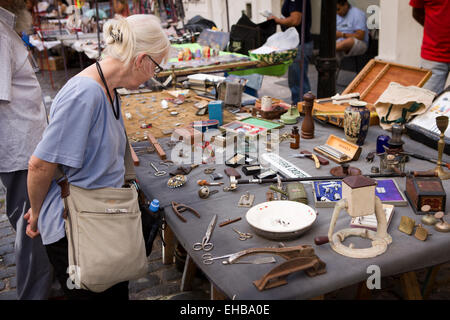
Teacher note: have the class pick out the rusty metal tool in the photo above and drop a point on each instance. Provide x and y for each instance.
(227, 222)
(178, 208)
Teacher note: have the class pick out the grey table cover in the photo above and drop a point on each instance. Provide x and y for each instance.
(406, 253)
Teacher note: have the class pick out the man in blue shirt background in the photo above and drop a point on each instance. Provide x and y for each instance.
(352, 36)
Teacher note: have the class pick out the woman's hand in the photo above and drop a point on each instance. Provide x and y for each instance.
(32, 219)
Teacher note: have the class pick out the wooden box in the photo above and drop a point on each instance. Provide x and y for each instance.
(425, 190)
(54, 63)
(188, 135)
(370, 83)
(351, 150)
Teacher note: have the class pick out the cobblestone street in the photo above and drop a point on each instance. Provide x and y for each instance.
(163, 281)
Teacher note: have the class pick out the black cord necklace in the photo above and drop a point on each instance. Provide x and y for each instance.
(117, 110)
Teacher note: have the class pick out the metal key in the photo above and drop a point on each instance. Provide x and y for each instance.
(158, 172)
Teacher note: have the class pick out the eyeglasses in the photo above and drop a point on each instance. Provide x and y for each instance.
(158, 68)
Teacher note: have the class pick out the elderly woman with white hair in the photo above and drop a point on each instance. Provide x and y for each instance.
(85, 135)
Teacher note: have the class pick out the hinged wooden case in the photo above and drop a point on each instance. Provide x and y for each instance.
(351, 150)
(425, 190)
(370, 83)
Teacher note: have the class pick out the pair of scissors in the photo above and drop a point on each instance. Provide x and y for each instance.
(209, 259)
(206, 245)
(243, 235)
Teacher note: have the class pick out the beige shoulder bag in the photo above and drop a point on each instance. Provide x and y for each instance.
(104, 233)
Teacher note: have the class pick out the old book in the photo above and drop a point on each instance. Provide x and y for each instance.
(370, 221)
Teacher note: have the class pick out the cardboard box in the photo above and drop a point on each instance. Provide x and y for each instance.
(54, 63)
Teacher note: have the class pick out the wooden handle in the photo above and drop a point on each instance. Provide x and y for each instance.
(321, 240)
(429, 173)
(134, 156)
(159, 150)
(322, 160)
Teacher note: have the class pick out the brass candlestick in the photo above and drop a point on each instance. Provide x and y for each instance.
(442, 124)
(438, 171)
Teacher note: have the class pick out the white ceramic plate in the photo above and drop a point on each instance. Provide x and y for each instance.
(281, 219)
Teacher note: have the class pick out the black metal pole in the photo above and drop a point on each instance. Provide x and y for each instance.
(302, 53)
(98, 30)
(326, 63)
(228, 16)
(318, 178)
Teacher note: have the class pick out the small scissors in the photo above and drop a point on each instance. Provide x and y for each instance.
(206, 245)
(243, 235)
(209, 259)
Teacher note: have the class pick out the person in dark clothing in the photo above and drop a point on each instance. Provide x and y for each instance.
(292, 11)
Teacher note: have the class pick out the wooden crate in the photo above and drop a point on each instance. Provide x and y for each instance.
(370, 83)
(54, 63)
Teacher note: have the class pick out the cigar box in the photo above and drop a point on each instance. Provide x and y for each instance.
(425, 190)
(370, 83)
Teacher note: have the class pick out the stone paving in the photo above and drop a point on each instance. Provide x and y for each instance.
(163, 281)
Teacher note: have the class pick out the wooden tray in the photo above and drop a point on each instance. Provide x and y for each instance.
(370, 83)
(144, 110)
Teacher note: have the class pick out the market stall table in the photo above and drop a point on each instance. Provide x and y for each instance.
(404, 254)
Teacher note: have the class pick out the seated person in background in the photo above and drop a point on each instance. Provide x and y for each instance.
(121, 8)
(352, 36)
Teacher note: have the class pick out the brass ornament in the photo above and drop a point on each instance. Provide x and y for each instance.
(441, 226)
(421, 233)
(176, 181)
(406, 225)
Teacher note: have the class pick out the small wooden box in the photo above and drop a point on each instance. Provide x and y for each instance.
(359, 191)
(54, 63)
(351, 150)
(188, 135)
(425, 190)
(370, 83)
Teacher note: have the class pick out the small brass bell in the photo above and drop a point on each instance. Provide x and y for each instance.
(428, 219)
(441, 225)
(203, 192)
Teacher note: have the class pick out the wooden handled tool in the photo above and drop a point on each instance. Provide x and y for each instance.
(322, 160)
(321, 240)
(206, 183)
(134, 156)
(157, 146)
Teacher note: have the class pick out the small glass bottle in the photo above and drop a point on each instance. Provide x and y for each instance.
(295, 138)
